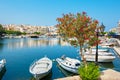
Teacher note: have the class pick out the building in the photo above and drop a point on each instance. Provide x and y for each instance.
(30, 29)
(116, 30)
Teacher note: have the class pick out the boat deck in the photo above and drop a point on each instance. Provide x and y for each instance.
(40, 67)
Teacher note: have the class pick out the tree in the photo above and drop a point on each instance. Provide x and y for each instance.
(13, 32)
(78, 29)
(18, 33)
(111, 33)
(38, 33)
(24, 33)
(1, 30)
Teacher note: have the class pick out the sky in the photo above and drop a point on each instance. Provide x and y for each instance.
(45, 12)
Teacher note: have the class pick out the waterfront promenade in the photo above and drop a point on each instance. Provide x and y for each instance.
(117, 48)
(108, 74)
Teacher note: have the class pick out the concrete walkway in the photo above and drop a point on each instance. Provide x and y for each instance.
(117, 49)
(70, 78)
(110, 75)
(105, 75)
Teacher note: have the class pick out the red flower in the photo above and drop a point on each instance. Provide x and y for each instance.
(74, 20)
(96, 21)
(73, 28)
(86, 38)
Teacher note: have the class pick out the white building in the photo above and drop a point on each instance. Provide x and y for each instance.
(116, 29)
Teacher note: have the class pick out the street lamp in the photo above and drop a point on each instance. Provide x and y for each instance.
(96, 56)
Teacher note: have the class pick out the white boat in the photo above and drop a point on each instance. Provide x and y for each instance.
(41, 67)
(69, 64)
(109, 42)
(66, 73)
(2, 64)
(100, 53)
(101, 49)
(100, 58)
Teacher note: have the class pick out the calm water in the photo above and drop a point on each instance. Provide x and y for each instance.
(20, 53)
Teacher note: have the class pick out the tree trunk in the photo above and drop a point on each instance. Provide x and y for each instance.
(82, 55)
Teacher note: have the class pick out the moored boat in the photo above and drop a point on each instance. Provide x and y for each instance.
(101, 49)
(2, 64)
(41, 67)
(99, 53)
(69, 64)
(100, 58)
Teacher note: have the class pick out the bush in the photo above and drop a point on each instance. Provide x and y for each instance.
(90, 71)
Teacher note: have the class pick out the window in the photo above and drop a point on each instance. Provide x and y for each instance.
(77, 64)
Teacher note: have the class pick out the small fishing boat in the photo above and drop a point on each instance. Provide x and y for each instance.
(69, 64)
(2, 64)
(41, 67)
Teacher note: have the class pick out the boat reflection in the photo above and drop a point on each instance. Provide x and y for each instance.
(104, 66)
(1, 45)
(2, 73)
(48, 77)
(66, 73)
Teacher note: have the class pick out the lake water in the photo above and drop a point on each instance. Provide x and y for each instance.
(20, 53)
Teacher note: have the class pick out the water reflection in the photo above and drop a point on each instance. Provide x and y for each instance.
(1, 46)
(104, 66)
(66, 73)
(35, 42)
(107, 65)
(48, 77)
(2, 73)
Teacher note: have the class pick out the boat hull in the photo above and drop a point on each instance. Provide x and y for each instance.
(100, 58)
(101, 50)
(40, 76)
(99, 53)
(73, 70)
(2, 64)
(41, 68)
